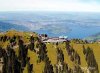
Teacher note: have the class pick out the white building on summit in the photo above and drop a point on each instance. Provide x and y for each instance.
(46, 39)
(64, 37)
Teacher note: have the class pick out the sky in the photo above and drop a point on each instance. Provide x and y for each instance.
(50, 5)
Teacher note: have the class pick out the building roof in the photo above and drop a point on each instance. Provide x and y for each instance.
(65, 37)
(54, 40)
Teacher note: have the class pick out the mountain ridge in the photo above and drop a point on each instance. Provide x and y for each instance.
(95, 37)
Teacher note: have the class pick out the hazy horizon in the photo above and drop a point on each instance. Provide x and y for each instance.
(50, 5)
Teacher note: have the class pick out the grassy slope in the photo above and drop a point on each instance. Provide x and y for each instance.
(38, 68)
(53, 55)
(66, 57)
(96, 50)
(79, 48)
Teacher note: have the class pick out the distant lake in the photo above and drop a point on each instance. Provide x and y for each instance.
(71, 24)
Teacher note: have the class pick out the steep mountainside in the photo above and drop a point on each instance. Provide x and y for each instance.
(24, 52)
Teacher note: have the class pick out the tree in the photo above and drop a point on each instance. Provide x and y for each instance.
(48, 67)
(91, 61)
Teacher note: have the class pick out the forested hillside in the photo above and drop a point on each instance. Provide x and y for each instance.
(24, 52)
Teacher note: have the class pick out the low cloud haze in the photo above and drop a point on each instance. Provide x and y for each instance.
(50, 5)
